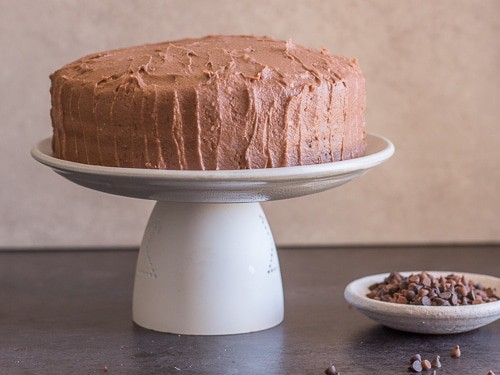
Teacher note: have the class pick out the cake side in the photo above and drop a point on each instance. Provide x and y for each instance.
(218, 102)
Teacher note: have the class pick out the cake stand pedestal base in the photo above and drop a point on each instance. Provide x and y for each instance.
(208, 269)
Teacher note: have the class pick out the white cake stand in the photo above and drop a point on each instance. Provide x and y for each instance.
(207, 268)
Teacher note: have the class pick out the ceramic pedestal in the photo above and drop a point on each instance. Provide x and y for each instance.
(208, 269)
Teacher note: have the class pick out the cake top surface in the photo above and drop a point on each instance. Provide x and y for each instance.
(191, 62)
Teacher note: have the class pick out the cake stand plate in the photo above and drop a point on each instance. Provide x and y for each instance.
(207, 268)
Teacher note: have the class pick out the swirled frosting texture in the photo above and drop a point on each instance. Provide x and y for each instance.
(219, 102)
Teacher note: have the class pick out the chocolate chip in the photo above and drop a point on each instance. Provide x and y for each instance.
(395, 276)
(410, 295)
(402, 300)
(415, 357)
(461, 290)
(331, 370)
(455, 351)
(436, 362)
(426, 365)
(423, 292)
(414, 279)
(491, 373)
(416, 366)
(490, 292)
(438, 301)
(445, 295)
(426, 301)
(471, 295)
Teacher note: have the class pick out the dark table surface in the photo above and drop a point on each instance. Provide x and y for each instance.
(67, 312)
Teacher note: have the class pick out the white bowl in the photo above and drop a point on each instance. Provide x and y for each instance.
(424, 319)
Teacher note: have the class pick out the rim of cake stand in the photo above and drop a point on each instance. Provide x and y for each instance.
(375, 155)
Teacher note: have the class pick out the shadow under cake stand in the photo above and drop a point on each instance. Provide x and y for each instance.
(208, 264)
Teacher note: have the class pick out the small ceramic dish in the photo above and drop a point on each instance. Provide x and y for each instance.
(424, 319)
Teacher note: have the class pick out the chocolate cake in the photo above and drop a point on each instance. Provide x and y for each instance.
(219, 102)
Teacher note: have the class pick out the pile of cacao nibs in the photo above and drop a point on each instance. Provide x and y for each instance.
(424, 289)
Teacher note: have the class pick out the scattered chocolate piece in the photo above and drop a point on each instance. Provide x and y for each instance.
(331, 370)
(426, 365)
(455, 352)
(491, 373)
(105, 369)
(416, 357)
(427, 290)
(416, 366)
(436, 362)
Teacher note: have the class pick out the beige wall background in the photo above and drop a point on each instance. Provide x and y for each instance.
(433, 76)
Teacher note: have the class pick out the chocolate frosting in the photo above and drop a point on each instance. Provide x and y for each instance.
(219, 102)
